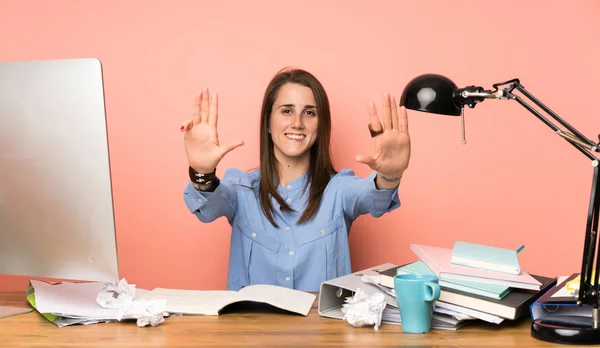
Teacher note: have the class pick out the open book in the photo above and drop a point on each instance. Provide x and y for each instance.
(211, 302)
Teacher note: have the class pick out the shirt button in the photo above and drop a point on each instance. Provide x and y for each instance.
(291, 252)
(289, 187)
(322, 231)
(287, 227)
(253, 234)
(288, 278)
(288, 200)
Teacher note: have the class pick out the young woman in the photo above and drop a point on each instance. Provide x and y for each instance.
(291, 217)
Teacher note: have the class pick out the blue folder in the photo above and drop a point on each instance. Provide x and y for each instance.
(561, 310)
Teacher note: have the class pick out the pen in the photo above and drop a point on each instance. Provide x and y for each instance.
(521, 248)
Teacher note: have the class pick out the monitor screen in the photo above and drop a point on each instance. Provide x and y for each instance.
(56, 208)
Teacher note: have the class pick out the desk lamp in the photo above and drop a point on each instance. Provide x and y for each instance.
(439, 95)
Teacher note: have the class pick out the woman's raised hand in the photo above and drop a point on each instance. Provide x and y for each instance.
(392, 141)
(200, 134)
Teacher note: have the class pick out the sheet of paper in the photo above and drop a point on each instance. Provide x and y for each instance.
(470, 312)
(200, 302)
(10, 311)
(288, 299)
(77, 300)
(376, 280)
(563, 292)
(453, 313)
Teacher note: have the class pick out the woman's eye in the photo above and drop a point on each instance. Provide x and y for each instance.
(311, 113)
(286, 111)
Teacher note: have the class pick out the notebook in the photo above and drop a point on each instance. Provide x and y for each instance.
(512, 306)
(439, 261)
(419, 267)
(486, 257)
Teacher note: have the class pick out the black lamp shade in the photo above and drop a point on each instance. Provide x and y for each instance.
(431, 93)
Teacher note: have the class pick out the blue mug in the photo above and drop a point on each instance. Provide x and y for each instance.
(415, 294)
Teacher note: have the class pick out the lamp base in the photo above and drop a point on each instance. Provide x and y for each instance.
(564, 333)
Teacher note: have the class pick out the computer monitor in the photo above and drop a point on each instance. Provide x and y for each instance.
(56, 204)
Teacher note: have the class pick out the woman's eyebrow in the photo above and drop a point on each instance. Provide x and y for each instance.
(293, 105)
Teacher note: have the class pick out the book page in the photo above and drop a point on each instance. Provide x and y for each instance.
(211, 302)
(200, 302)
(287, 299)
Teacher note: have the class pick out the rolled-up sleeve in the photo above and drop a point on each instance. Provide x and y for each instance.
(208, 206)
(361, 196)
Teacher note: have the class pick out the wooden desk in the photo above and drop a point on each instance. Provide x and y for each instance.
(239, 327)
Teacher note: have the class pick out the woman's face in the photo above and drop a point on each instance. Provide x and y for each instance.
(294, 122)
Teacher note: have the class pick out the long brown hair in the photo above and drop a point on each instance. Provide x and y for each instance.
(321, 166)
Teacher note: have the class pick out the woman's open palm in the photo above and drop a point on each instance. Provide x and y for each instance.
(392, 145)
(200, 134)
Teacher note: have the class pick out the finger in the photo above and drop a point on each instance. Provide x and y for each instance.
(204, 106)
(196, 117)
(387, 112)
(403, 120)
(213, 112)
(368, 160)
(375, 124)
(232, 146)
(187, 125)
(395, 122)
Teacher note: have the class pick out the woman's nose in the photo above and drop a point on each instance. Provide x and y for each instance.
(297, 121)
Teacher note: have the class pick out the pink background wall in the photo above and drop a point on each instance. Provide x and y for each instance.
(514, 183)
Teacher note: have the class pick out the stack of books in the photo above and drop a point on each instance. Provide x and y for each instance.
(475, 290)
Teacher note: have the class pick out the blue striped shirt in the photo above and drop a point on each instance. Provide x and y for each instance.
(298, 256)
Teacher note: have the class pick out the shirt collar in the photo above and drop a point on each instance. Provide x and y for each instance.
(296, 184)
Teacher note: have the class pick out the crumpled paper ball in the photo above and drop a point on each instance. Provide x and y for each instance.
(117, 294)
(362, 309)
(120, 295)
(146, 312)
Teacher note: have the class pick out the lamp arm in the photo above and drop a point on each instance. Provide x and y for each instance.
(576, 136)
(589, 289)
(471, 95)
(580, 144)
